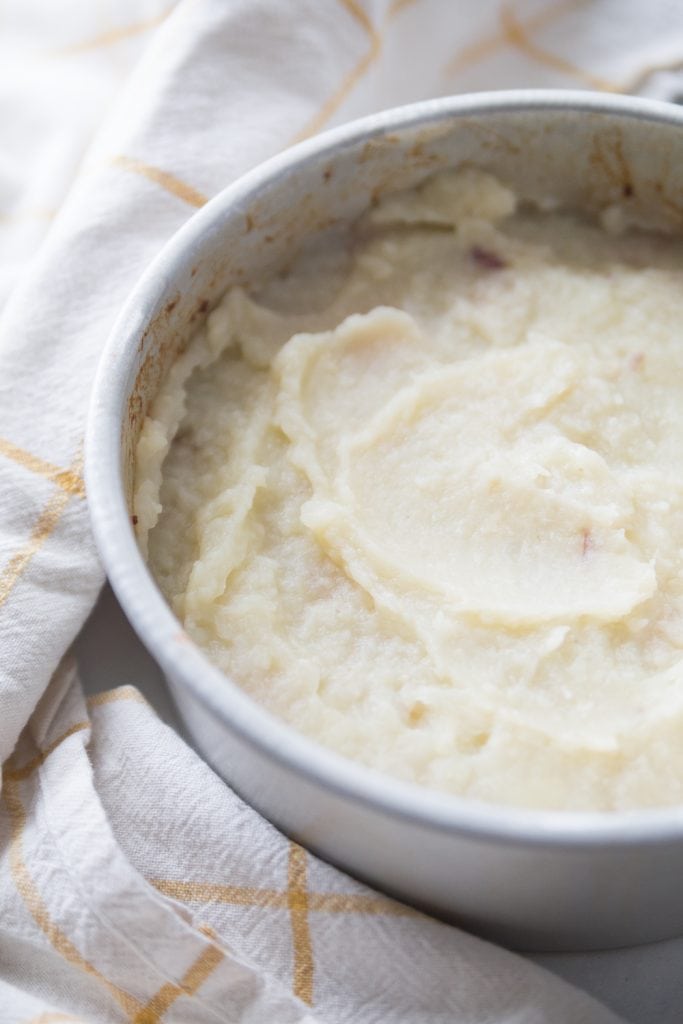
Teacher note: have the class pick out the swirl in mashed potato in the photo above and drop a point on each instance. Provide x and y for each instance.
(424, 499)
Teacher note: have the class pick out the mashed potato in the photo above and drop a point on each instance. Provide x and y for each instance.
(422, 498)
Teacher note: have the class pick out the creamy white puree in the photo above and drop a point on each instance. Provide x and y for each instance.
(423, 498)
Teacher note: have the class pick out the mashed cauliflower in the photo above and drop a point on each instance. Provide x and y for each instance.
(422, 498)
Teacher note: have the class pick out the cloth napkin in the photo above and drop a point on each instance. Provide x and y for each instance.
(134, 885)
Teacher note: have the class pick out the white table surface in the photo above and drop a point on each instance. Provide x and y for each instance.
(643, 984)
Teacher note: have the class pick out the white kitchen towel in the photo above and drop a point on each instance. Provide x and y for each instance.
(137, 887)
(134, 886)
